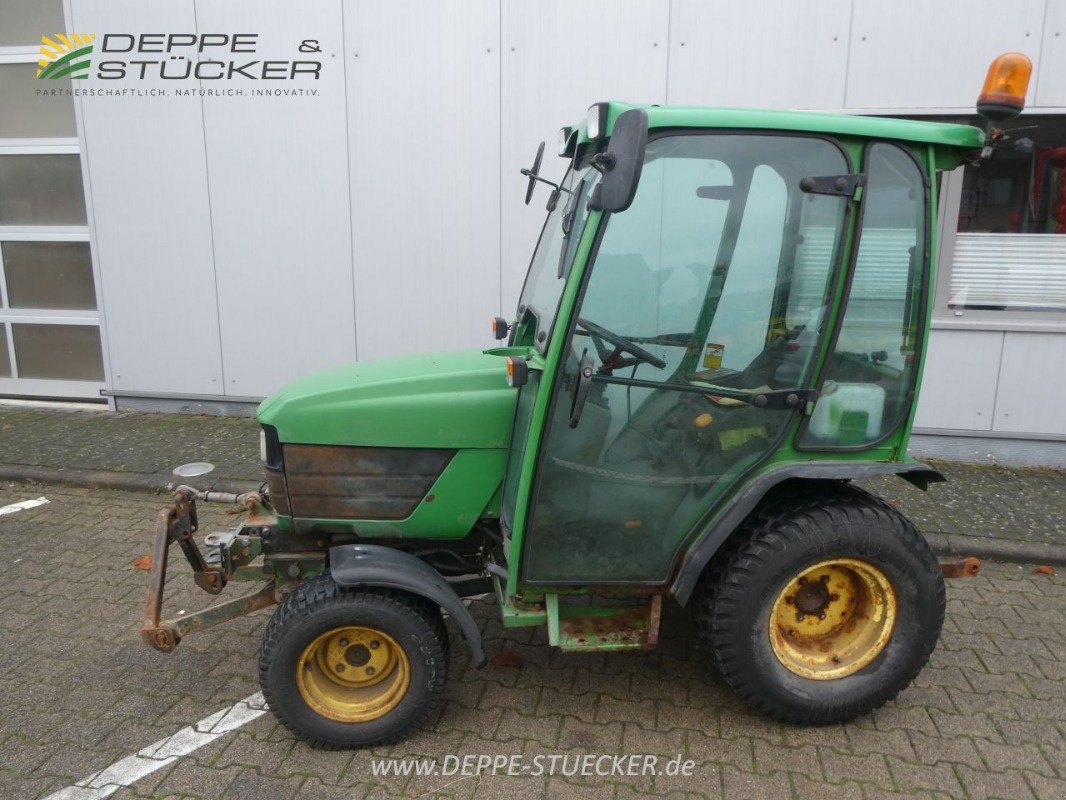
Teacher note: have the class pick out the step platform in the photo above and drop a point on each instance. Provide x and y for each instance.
(587, 628)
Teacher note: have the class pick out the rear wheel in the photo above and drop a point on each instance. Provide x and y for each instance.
(824, 608)
(343, 668)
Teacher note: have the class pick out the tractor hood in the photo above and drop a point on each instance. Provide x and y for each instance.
(457, 399)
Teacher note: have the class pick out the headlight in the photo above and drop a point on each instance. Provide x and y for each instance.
(597, 121)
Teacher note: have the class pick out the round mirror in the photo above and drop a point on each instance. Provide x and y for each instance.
(193, 470)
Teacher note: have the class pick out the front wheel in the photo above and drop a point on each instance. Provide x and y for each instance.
(825, 609)
(342, 668)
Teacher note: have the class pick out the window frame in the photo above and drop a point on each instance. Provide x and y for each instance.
(13, 385)
(921, 342)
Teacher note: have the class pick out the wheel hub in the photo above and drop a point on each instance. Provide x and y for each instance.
(832, 619)
(357, 655)
(353, 674)
(811, 598)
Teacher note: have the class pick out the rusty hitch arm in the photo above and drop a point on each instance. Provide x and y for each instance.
(177, 523)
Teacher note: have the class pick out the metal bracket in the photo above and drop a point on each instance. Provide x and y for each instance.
(178, 523)
(836, 185)
(784, 398)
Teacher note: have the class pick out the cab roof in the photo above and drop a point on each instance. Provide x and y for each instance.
(935, 133)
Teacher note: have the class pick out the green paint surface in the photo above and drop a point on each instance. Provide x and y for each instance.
(455, 399)
(941, 134)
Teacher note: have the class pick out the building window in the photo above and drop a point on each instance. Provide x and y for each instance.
(50, 343)
(1010, 250)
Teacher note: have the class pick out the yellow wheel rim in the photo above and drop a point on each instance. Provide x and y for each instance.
(353, 674)
(833, 619)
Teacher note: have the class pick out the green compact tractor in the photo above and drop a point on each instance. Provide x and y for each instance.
(723, 324)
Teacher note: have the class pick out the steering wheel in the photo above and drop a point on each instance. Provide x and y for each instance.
(611, 360)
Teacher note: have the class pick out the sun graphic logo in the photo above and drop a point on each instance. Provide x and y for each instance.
(65, 55)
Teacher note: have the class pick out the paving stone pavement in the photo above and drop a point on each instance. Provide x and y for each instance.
(986, 718)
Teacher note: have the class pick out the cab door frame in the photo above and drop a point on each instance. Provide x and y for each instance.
(552, 364)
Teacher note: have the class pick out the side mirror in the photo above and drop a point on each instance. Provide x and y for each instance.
(622, 163)
(533, 173)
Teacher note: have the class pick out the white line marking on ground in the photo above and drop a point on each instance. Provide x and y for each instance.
(129, 770)
(11, 509)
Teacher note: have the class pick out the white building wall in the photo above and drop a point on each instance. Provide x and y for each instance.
(244, 242)
(146, 174)
(423, 153)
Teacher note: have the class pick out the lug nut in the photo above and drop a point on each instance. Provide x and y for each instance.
(370, 670)
(374, 644)
(343, 642)
(340, 668)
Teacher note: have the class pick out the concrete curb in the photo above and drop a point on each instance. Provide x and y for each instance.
(945, 544)
(129, 481)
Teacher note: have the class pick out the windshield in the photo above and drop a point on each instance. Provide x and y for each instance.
(720, 267)
(555, 252)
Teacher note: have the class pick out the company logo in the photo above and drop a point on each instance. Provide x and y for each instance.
(65, 55)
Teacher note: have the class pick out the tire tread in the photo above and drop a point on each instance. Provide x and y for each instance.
(313, 594)
(794, 515)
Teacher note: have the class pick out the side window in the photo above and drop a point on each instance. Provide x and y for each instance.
(870, 374)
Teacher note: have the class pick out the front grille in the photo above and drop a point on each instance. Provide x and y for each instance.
(337, 482)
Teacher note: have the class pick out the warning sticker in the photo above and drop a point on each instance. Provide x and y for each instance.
(712, 356)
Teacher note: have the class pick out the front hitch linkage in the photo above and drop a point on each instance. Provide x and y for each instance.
(178, 523)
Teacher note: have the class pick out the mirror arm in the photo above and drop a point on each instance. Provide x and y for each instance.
(603, 162)
(529, 174)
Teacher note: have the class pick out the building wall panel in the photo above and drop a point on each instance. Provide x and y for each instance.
(151, 221)
(762, 54)
(913, 54)
(424, 158)
(959, 382)
(277, 171)
(1032, 384)
(557, 60)
(1049, 88)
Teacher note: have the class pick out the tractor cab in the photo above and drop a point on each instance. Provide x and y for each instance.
(761, 298)
(723, 324)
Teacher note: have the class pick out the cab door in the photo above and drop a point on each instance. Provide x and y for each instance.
(689, 354)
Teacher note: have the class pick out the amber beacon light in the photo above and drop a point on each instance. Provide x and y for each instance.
(1003, 95)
